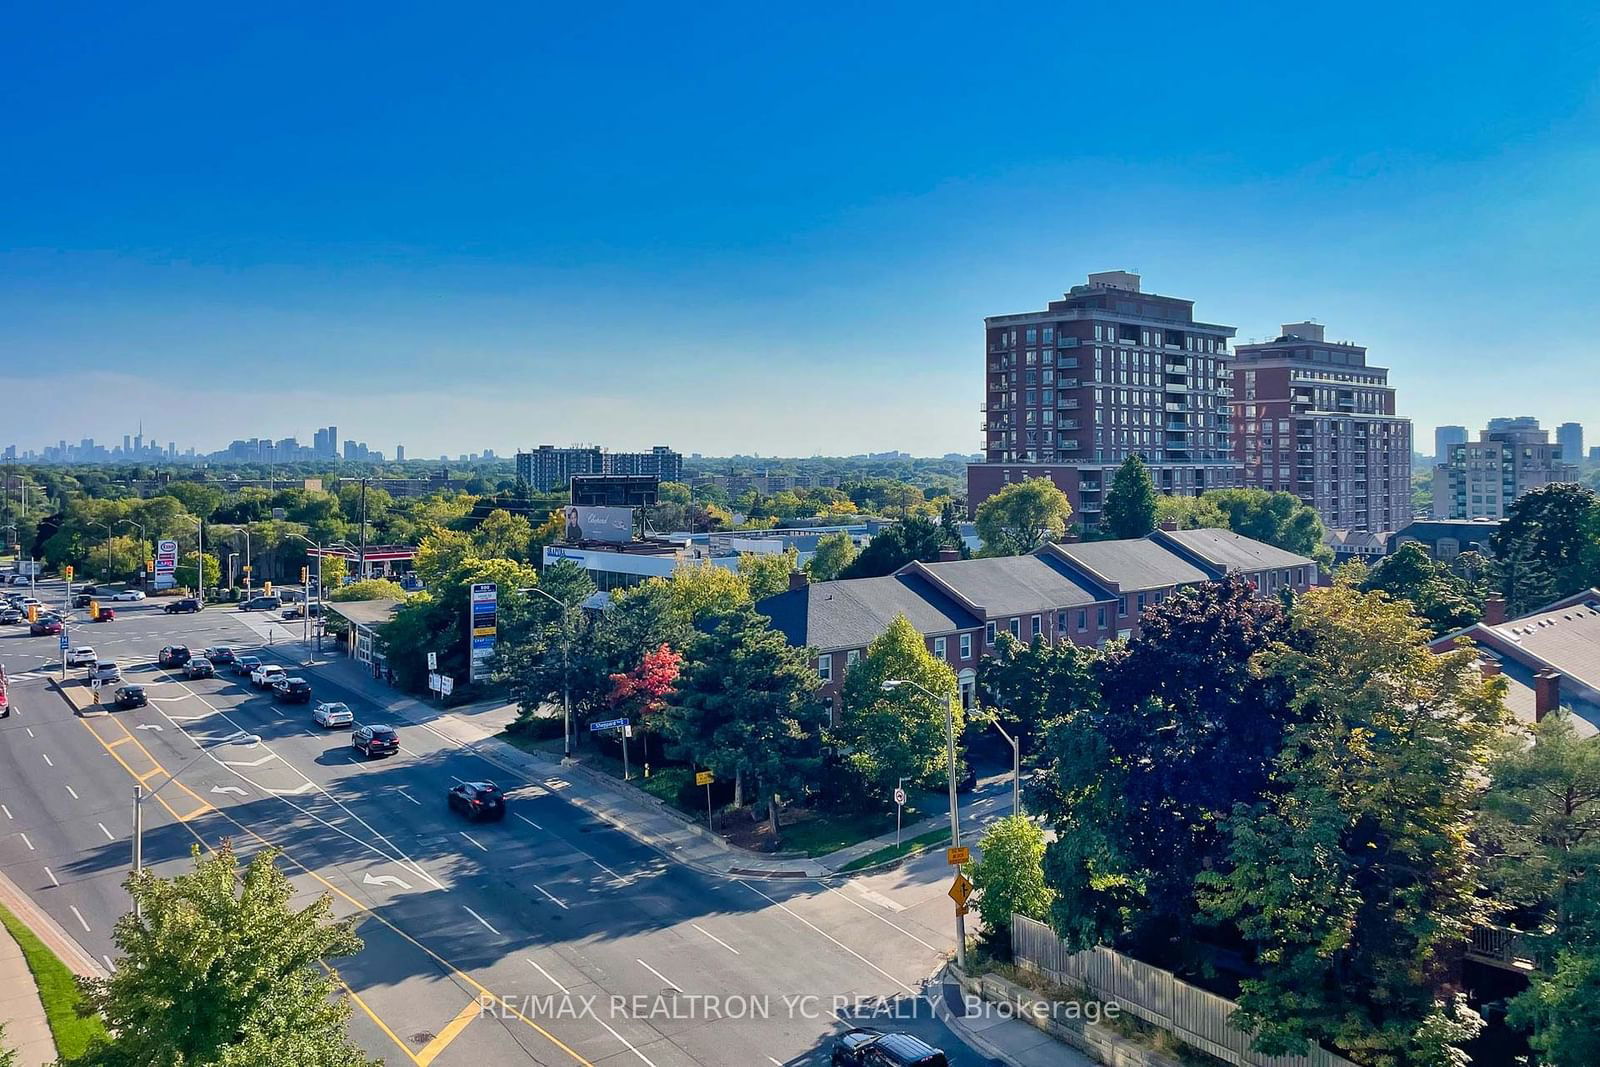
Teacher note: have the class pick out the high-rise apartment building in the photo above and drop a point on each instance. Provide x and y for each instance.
(1482, 479)
(1106, 372)
(1312, 418)
(1569, 436)
(1445, 438)
(399, 453)
(550, 469)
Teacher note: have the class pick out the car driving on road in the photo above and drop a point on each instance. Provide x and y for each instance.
(265, 675)
(261, 603)
(177, 607)
(375, 740)
(127, 594)
(291, 690)
(243, 665)
(478, 800)
(82, 656)
(130, 696)
(173, 656)
(11, 615)
(47, 624)
(332, 713)
(199, 667)
(106, 670)
(864, 1047)
(219, 656)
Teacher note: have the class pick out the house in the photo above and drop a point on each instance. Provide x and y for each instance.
(1445, 539)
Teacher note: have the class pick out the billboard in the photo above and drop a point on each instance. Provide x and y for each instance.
(600, 524)
(481, 628)
(166, 564)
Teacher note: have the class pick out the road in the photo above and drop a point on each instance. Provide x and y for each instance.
(591, 947)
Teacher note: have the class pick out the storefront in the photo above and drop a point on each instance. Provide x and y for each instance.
(367, 619)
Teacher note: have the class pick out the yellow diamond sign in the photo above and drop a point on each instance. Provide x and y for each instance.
(960, 890)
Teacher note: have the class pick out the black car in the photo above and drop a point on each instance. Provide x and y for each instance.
(261, 603)
(11, 615)
(199, 668)
(81, 600)
(130, 696)
(243, 665)
(376, 740)
(297, 691)
(186, 604)
(91, 589)
(220, 655)
(873, 1048)
(478, 800)
(173, 656)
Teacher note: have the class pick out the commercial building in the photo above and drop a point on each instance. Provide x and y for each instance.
(550, 469)
(1445, 438)
(1483, 478)
(1569, 436)
(1106, 372)
(1312, 418)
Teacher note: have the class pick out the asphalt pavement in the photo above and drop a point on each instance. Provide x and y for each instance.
(552, 937)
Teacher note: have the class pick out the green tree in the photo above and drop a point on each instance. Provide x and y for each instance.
(1445, 600)
(1557, 525)
(767, 574)
(835, 552)
(502, 535)
(1130, 507)
(219, 968)
(549, 653)
(440, 552)
(893, 547)
(1355, 875)
(1009, 876)
(1022, 516)
(1190, 512)
(1279, 519)
(367, 589)
(1561, 1006)
(887, 735)
(1035, 685)
(184, 572)
(199, 500)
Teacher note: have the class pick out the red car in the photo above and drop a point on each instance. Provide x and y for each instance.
(45, 626)
(106, 615)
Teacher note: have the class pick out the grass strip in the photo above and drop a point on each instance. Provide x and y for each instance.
(73, 1031)
(912, 847)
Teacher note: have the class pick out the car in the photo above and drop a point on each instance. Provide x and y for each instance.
(130, 696)
(221, 654)
(81, 600)
(199, 667)
(20, 579)
(265, 675)
(178, 607)
(295, 612)
(375, 740)
(261, 603)
(82, 656)
(478, 800)
(91, 589)
(291, 690)
(29, 602)
(127, 594)
(173, 656)
(244, 665)
(865, 1047)
(106, 615)
(11, 615)
(106, 670)
(45, 625)
(332, 713)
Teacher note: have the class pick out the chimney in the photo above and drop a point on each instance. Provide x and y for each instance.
(1169, 524)
(798, 580)
(949, 555)
(1546, 693)
(1494, 609)
(1489, 666)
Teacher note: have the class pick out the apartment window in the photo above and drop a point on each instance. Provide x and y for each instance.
(1100, 617)
(1122, 606)
(1083, 618)
(1141, 603)
(1038, 626)
(851, 658)
(825, 668)
(1033, 335)
(988, 633)
(966, 646)
(1015, 626)
(939, 647)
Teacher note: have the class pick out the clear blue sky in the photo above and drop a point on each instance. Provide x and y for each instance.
(751, 227)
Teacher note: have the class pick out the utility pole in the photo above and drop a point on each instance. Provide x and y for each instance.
(361, 559)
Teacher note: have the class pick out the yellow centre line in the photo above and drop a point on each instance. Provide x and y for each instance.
(431, 1051)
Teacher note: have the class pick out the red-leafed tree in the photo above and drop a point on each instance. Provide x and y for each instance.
(643, 691)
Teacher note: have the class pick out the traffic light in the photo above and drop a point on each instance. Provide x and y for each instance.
(69, 572)
(94, 609)
(266, 588)
(305, 575)
(33, 613)
(149, 565)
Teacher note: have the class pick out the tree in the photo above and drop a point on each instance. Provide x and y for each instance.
(835, 552)
(743, 706)
(1009, 876)
(1556, 525)
(1354, 878)
(1035, 685)
(368, 589)
(502, 535)
(1279, 519)
(1130, 507)
(184, 573)
(1022, 516)
(549, 654)
(1442, 598)
(199, 500)
(767, 573)
(218, 968)
(440, 552)
(1190, 512)
(899, 733)
(1561, 1006)
(1525, 580)
(893, 547)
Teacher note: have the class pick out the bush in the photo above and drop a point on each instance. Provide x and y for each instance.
(536, 727)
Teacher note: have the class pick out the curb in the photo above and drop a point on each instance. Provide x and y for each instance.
(942, 1012)
(55, 938)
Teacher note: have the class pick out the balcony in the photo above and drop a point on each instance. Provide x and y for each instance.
(1177, 368)
(1067, 383)
(1067, 363)
(1177, 387)
(1172, 406)
(1067, 403)
(1070, 445)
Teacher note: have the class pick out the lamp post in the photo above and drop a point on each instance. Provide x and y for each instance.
(200, 560)
(107, 528)
(307, 630)
(140, 525)
(246, 530)
(566, 669)
(1016, 761)
(140, 796)
(890, 685)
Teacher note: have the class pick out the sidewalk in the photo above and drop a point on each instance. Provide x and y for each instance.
(1004, 1038)
(636, 813)
(20, 1009)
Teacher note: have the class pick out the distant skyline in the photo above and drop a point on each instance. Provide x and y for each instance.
(729, 228)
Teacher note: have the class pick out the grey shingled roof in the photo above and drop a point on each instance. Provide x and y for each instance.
(1135, 565)
(1017, 585)
(851, 613)
(365, 612)
(1566, 638)
(1226, 549)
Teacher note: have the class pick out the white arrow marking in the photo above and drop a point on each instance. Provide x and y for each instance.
(148, 726)
(227, 789)
(385, 879)
(248, 763)
(303, 787)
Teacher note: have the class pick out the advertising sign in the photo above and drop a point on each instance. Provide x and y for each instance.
(602, 524)
(166, 563)
(481, 628)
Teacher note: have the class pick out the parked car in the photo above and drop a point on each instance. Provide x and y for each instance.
(178, 607)
(375, 740)
(332, 713)
(865, 1047)
(244, 665)
(82, 656)
(127, 594)
(220, 655)
(291, 690)
(130, 696)
(106, 670)
(199, 667)
(261, 603)
(173, 656)
(47, 624)
(106, 615)
(478, 800)
(265, 675)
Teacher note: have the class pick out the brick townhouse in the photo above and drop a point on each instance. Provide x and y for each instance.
(1087, 593)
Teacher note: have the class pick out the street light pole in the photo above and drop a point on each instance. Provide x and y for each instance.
(140, 525)
(200, 561)
(1016, 766)
(566, 671)
(320, 553)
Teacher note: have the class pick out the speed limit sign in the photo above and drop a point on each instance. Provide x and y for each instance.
(900, 797)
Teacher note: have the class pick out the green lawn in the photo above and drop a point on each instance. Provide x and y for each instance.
(912, 847)
(74, 1033)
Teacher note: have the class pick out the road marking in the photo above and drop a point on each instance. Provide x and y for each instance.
(658, 974)
(474, 840)
(385, 879)
(886, 922)
(785, 908)
(79, 916)
(118, 741)
(52, 875)
(249, 763)
(482, 920)
(103, 830)
(149, 726)
(603, 867)
(109, 965)
(877, 898)
(548, 975)
(303, 787)
(715, 938)
(555, 900)
(529, 821)
(73, 791)
(25, 841)
(7, 811)
(29, 729)
(46, 756)
(409, 797)
(452, 1030)
(228, 789)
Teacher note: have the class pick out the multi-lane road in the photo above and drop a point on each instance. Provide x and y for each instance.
(595, 948)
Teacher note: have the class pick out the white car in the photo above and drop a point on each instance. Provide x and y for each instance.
(81, 657)
(20, 579)
(332, 713)
(30, 602)
(106, 670)
(265, 675)
(128, 594)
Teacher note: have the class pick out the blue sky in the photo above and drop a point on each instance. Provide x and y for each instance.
(742, 227)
